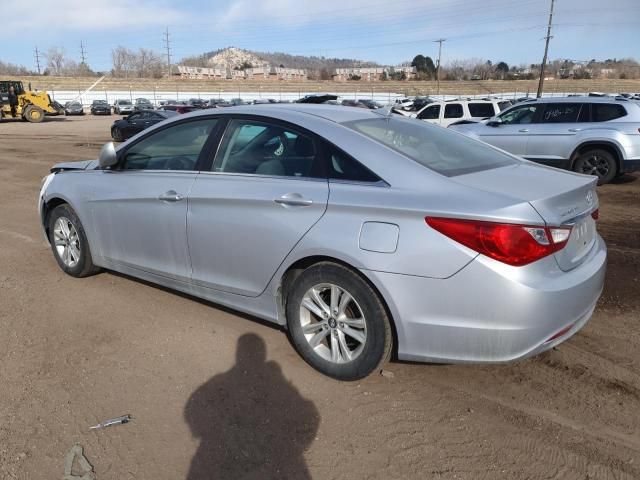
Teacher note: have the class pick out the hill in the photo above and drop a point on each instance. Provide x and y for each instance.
(317, 67)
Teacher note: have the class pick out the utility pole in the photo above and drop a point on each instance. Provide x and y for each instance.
(438, 67)
(167, 44)
(546, 49)
(37, 57)
(83, 53)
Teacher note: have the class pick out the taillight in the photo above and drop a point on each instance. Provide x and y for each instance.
(595, 214)
(512, 244)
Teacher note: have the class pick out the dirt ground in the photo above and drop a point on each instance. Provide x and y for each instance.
(214, 394)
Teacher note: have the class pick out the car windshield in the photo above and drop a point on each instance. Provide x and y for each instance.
(446, 152)
(99, 102)
(124, 102)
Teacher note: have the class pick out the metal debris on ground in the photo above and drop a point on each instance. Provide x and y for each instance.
(87, 469)
(112, 421)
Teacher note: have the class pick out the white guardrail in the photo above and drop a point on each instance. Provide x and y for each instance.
(86, 98)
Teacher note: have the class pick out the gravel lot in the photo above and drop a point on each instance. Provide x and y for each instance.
(204, 399)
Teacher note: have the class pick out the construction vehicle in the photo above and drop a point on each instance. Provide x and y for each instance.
(32, 105)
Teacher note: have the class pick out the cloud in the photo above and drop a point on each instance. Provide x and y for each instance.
(93, 15)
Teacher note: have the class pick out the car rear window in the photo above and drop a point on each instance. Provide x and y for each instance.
(444, 151)
(482, 110)
(602, 112)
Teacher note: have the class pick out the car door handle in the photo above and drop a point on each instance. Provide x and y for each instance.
(575, 129)
(170, 196)
(524, 130)
(293, 200)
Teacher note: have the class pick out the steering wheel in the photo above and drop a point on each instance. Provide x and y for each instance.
(179, 163)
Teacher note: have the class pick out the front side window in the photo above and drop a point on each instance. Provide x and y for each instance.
(174, 148)
(481, 110)
(430, 113)
(561, 112)
(519, 115)
(436, 148)
(453, 110)
(261, 148)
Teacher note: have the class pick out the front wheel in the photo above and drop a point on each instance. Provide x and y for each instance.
(597, 162)
(69, 242)
(33, 114)
(338, 323)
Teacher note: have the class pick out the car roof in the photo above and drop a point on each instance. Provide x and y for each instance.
(333, 113)
(577, 100)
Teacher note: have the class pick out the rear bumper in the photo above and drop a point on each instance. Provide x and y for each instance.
(490, 312)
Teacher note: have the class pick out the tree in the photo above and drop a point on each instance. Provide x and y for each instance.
(425, 68)
(420, 62)
(502, 69)
(55, 60)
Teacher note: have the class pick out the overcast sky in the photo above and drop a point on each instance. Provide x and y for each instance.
(386, 31)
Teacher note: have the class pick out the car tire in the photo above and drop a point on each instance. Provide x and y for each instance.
(349, 342)
(33, 114)
(116, 134)
(598, 162)
(69, 242)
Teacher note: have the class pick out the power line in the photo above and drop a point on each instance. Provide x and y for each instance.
(37, 57)
(546, 50)
(167, 42)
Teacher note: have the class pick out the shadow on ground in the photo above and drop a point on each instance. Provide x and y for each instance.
(252, 422)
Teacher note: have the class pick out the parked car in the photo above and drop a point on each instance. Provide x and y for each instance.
(591, 135)
(431, 244)
(218, 103)
(100, 107)
(127, 127)
(373, 105)
(353, 103)
(73, 108)
(179, 107)
(197, 102)
(122, 106)
(317, 99)
(237, 101)
(453, 111)
(403, 103)
(142, 104)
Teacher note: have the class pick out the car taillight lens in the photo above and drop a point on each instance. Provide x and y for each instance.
(595, 214)
(512, 244)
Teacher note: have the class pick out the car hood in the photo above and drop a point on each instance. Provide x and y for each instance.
(81, 165)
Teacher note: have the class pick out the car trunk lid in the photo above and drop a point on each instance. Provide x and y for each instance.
(560, 198)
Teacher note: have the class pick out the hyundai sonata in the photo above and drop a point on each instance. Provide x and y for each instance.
(359, 232)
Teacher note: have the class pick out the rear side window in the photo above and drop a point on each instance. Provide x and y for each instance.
(453, 110)
(343, 167)
(436, 148)
(482, 110)
(430, 113)
(602, 112)
(561, 112)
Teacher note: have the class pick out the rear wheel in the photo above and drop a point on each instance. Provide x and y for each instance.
(69, 242)
(33, 114)
(600, 163)
(338, 323)
(116, 134)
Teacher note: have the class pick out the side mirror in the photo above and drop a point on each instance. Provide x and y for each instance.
(494, 122)
(107, 157)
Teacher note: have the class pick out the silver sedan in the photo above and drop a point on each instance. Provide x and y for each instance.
(359, 232)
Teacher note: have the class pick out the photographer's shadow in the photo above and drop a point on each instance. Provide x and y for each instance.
(252, 423)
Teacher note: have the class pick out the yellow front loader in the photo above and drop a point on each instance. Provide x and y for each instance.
(32, 105)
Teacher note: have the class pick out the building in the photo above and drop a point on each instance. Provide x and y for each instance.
(262, 73)
(267, 72)
(213, 73)
(372, 74)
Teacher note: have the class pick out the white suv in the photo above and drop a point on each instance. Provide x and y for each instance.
(455, 111)
(596, 136)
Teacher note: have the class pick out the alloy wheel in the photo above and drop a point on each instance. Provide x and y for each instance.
(595, 165)
(67, 242)
(333, 323)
